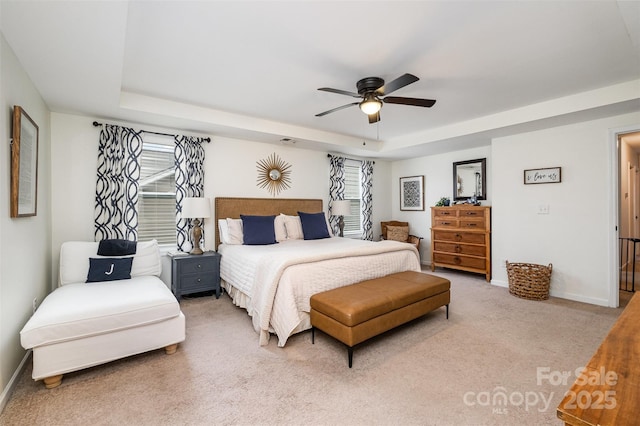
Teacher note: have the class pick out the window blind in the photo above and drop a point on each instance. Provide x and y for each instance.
(352, 192)
(157, 194)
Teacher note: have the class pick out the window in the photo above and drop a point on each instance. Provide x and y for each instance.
(353, 192)
(157, 191)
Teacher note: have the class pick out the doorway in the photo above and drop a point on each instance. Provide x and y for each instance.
(628, 206)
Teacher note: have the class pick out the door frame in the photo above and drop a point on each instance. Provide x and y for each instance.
(614, 210)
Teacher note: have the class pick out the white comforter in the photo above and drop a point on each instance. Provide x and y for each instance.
(280, 279)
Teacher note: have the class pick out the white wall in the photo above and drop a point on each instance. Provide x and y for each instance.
(575, 236)
(438, 183)
(25, 243)
(230, 171)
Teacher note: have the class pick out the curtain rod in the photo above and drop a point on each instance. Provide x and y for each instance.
(96, 124)
(329, 156)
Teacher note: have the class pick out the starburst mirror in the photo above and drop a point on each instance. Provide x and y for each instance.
(273, 174)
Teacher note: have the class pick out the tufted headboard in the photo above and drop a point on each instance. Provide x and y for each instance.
(228, 207)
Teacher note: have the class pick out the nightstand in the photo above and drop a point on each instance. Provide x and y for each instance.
(195, 273)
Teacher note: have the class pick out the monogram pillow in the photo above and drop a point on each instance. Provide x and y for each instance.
(109, 269)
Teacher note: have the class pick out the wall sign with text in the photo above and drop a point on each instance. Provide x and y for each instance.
(548, 175)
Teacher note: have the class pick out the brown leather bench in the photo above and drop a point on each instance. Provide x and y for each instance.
(357, 312)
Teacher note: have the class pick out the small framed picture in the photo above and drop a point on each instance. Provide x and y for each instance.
(412, 193)
(548, 175)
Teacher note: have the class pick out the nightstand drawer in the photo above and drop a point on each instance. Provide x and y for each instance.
(191, 266)
(191, 282)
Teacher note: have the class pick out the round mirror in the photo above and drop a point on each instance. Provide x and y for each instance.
(274, 174)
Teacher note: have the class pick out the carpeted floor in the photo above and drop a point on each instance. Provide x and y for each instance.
(479, 367)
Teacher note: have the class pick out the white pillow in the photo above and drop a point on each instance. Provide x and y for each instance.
(223, 231)
(74, 260)
(235, 231)
(279, 227)
(294, 227)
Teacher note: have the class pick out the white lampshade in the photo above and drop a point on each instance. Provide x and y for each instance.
(196, 207)
(341, 208)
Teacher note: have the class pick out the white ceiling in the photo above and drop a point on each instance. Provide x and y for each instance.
(251, 69)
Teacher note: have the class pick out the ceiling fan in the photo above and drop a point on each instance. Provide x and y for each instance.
(371, 90)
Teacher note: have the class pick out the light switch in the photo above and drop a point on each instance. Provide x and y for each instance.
(543, 208)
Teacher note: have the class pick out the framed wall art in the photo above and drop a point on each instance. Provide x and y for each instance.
(412, 193)
(547, 175)
(24, 164)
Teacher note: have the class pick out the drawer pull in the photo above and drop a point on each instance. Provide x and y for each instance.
(471, 213)
(458, 237)
(445, 213)
(472, 224)
(199, 266)
(199, 280)
(446, 223)
(458, 249)
(457, 260)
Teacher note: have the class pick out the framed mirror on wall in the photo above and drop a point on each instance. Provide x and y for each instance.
(24, 164)
(470, 179)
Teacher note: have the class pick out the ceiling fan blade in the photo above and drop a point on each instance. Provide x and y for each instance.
(374, 118)
(398, 83)
(336, 109)
(428, 103)
(339, 92)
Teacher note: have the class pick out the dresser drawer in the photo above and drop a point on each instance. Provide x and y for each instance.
(460, 237)
(471, 223)
(445, 222)
(459, 249)
(464, 261)
(477, 213)
(444, 212)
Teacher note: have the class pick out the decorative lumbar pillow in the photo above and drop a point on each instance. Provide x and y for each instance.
(110, 269)
(280, 228)
(258, 230)
(314, 226)
(398, 233)
(294, 227)
(234, 231)
(116, 248)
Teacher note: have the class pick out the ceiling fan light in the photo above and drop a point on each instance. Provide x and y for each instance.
(370, 105)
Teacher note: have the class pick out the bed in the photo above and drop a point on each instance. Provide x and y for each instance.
(274, 282)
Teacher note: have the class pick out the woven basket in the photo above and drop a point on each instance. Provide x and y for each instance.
(529, 281)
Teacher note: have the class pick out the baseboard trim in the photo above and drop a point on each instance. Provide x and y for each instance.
(563, 295)
(8, 390)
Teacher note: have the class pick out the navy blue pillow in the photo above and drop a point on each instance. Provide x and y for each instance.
(109, 269)
(116, 248)
(258, 230)
(314, 226)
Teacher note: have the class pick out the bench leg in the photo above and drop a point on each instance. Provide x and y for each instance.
(53, 381)
(350, 352)
(447, 311)
(313, 335)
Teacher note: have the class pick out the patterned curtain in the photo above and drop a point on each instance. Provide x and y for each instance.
(116, 213)
(336, 188)
(367, 199)
(189, 154)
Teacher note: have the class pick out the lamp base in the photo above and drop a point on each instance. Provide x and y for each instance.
(341, 225)
(197, 235)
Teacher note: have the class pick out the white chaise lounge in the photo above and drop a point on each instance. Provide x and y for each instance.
(81, 324)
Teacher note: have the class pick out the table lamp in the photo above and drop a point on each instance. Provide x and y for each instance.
(196, 208)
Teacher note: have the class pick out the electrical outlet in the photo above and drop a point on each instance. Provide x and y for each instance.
(35, 304)
(543, 209)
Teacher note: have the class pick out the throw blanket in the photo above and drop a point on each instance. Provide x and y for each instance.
(271, 268)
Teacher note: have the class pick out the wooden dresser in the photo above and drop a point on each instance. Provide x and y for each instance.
(461, 238)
